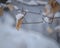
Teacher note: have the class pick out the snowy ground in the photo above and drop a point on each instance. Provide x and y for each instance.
(11, 38)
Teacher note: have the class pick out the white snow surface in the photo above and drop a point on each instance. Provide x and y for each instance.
(46, 19)
(11, 38)
(19, 16)
(41, 2)
(15, 7)
(33, 2)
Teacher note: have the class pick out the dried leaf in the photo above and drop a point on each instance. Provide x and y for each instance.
(10, 6)
(19, 24)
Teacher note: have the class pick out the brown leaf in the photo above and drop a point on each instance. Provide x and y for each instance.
(10, 6)
(19, 24)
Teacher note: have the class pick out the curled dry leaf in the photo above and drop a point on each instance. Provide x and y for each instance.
(19, 24)
(19, 18)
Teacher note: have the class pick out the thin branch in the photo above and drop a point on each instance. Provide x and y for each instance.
(33, 22)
